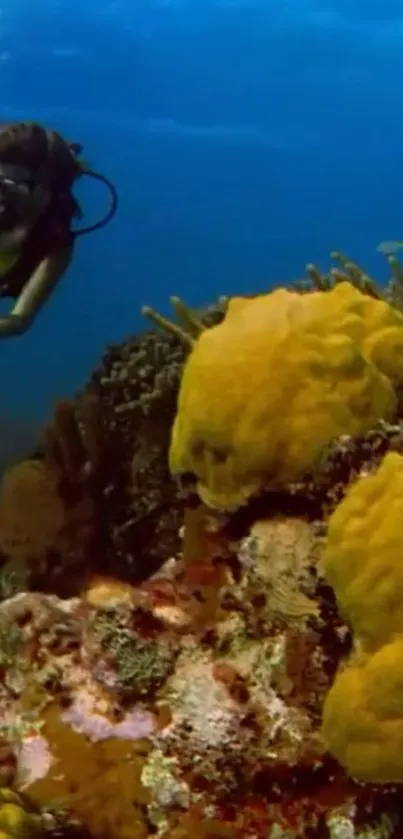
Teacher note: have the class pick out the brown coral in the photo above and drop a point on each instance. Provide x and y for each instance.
(26, 530)
(92, 785)
(37, 531)
(100, 492)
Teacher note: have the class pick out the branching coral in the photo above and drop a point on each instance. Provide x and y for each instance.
(349, 271)
(189, 325)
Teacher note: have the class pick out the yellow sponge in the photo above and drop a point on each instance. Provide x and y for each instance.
(363, 716)
(264, 392)
(363, 712)
(15, 821)
(362, 559)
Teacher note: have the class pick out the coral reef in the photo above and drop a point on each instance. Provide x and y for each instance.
(176, 669)
(191, 700)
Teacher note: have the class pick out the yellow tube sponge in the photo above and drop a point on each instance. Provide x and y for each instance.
(362, 559)
(363, 716)
(283, 374)
(15, 821)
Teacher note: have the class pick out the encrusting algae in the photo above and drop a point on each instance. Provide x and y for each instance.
(200, 622)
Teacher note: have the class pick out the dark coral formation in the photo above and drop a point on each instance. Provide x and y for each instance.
(344, 461)
(319, 491)
(136, 389)
(98, 496)
(103, 469)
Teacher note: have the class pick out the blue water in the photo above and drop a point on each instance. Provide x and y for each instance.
(245, 139)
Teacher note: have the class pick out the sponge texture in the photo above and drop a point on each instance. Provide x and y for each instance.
(265, 391)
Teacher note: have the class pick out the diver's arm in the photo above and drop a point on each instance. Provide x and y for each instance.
(35, 293)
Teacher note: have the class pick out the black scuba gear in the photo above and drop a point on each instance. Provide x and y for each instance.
(16, 188)
(112, 209)
(38, 170)
(16, 196)
(32, 171)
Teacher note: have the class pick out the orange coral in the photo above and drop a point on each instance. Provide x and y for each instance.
(37, 530)
(98, 783)
(48, 506)
(29, 530)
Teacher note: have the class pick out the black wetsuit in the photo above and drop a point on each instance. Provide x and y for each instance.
(51, 233)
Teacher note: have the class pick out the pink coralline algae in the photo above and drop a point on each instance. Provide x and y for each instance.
(34, 760)
(135, 725)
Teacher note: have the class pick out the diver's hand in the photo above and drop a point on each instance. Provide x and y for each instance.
(11, 325)
(35, 293)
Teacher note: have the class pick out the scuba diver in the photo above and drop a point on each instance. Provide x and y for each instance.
(38, 169)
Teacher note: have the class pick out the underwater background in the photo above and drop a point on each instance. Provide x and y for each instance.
(245, 138)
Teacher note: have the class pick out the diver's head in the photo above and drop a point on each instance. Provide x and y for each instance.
(23, 199)
(35, 164)
(38, 165)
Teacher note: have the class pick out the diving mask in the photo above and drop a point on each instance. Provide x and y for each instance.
(20, 196)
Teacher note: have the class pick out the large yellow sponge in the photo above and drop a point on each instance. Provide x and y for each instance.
(362, 560)
(265, 391)
(363, 716)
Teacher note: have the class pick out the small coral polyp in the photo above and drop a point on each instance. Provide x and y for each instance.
(266, 391)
